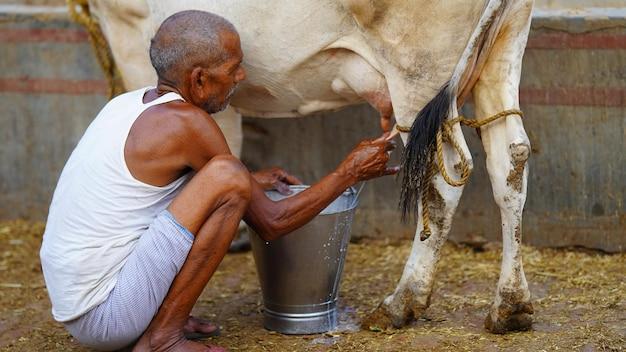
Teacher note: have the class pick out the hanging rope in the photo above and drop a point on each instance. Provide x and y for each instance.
(437, 163)
(80, 13)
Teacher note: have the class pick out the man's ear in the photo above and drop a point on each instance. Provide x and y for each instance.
(198, 77)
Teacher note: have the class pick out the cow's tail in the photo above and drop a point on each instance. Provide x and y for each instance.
(420, 147)
(421, 142)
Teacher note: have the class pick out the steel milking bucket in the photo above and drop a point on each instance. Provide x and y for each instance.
(300, 272)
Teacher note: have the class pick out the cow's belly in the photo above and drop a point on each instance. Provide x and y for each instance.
(255, 99)
(306, 89)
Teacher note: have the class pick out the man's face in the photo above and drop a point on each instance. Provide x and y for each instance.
(225, 78)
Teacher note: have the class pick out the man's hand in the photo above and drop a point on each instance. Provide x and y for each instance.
(276, 179)
(369, 159)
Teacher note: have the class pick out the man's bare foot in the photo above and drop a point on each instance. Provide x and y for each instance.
(180, 344)
(197, 328)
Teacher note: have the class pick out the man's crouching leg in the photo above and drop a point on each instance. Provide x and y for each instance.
(210, 206)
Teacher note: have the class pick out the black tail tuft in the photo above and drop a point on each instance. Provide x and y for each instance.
(420, 147)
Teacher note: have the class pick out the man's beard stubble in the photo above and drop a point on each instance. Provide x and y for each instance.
(212, 108)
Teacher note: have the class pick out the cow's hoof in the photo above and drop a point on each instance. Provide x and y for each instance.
(510, 317)
(380, 319)
(383, 318)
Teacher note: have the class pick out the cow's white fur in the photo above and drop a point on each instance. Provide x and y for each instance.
(306, 56)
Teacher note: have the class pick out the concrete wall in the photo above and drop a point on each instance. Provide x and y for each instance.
(50, 89)
(573, 93)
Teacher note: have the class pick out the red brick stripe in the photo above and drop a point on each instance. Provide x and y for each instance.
(577, 41)
(587, 96)
(43, 35)
(53, 86)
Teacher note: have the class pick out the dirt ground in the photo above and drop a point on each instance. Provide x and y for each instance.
(578, 296)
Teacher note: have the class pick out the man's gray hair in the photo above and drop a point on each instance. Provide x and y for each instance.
(187, 39)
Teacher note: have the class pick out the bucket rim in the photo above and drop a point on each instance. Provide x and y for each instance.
(350, 191)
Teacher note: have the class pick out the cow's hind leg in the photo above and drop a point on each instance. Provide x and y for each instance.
(507, 148)
(412, 294)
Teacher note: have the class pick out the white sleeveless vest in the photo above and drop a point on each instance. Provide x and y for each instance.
(99, 211)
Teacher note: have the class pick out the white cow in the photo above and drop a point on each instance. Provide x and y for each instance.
(304, 56)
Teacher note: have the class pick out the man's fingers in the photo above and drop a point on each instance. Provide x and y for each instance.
(290, 179)
(388, 144)
(392, 170)
(282, 188)
(285, 177)
(391, 145)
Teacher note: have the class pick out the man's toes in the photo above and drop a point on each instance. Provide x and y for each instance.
(201, 325)
(197, 328)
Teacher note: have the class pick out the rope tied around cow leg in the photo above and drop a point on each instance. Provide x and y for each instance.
(445, 134)
(81, 14)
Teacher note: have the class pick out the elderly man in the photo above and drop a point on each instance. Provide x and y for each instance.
(151, 197)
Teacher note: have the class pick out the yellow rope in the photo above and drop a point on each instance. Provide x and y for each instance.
(426, 190)
(80, 13)
(437, 163)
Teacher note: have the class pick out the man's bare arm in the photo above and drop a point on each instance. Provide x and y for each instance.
(272, 219)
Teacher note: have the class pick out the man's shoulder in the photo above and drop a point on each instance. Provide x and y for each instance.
(181, 118)
(181, 129)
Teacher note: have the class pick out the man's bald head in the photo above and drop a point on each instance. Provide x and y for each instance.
(188, 39)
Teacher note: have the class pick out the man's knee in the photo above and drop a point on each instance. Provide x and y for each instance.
(228, 173)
